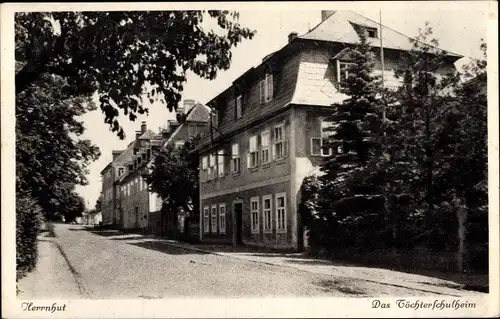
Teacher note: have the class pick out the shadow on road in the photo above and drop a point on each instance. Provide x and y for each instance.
(165, 248)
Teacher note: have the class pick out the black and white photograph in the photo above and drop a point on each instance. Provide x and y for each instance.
(250, 159)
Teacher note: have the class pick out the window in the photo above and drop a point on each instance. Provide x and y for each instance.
(371, 32)
(204, 168)
(212, 169)
(214, 219)
(238, 102)
(342, 70)
(254, 214)
(121, 170)
(253, 153)
(280, 212)
(215, 117)
(220, 163)
(235, 159)
(179, 144)
(222, 218)
(206, 226)
(266, 203)
(264, 141)
(148, 153)
(266, 88)
(280, 144)
(317, 148)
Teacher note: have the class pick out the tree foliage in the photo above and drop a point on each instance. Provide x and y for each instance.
(124, 56)
(175, 175)
(51, 156)
(406, 180)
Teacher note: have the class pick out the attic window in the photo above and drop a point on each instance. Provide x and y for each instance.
(371, 32)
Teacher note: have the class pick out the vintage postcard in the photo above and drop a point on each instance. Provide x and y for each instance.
(250, 159)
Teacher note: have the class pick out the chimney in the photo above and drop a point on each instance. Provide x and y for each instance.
(144, 127)
(292, 36)
(325, 14)
(138, 134)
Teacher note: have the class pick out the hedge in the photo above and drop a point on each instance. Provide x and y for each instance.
(28, 220)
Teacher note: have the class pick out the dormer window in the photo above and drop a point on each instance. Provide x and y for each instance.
(238, 106)
(266, 88)
(121, 170)
(371, 32)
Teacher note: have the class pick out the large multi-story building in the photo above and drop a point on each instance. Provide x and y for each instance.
(118, 174)
(266, 131)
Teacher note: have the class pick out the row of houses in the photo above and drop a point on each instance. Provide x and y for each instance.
(127, 201)
(265, 137)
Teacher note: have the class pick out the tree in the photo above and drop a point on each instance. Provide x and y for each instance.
(98, 203)
(124, 55)
(51, 156)
(350, 189)
(461, 182)
(422, 101)
(175, 175)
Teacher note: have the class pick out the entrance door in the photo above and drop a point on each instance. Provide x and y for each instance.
(136, 217)
(238, 211)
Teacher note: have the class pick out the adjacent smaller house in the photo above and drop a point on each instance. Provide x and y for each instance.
(192, 120)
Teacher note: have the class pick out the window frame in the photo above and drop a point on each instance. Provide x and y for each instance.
(235, 159)
(265, 148)
(253, 156)
(280, 228)
(282, 141)
(238, 106)
(204, 168)
(267, 230)
(266, 88)
(222, 218)
(255, 220)
(339, 64)
(206, 219)
(220, 163)
(213, 215)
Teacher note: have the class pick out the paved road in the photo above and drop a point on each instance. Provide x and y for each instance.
(106, 265)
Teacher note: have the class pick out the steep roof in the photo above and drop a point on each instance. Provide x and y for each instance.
(198, 113)
(340, 27)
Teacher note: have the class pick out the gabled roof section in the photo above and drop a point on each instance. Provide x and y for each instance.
(148, 135)
(198, 113)
(341, 27)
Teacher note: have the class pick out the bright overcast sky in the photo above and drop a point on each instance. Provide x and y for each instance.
(458, 27)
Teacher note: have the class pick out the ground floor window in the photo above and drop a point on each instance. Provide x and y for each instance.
(214, 219)
(254, 214)
(281, 212)
(206, 226)
(222, 218)
(266, 206)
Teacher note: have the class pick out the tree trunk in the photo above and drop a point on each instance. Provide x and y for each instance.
(462, 218)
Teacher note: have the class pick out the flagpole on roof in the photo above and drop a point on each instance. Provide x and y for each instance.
(382, 60)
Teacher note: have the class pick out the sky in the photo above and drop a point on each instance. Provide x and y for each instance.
(458, 28)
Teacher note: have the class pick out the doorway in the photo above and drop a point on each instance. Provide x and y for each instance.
(238, 212)
(136, 217)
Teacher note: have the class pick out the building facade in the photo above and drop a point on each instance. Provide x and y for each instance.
(266, 131)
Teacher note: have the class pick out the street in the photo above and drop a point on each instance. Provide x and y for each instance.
(80, 262)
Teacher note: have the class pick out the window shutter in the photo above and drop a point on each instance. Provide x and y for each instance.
(262, 91)
(285, 148)
(269, 79)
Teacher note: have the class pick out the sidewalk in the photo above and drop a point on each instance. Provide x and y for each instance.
(452, 285)
(52, 277)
